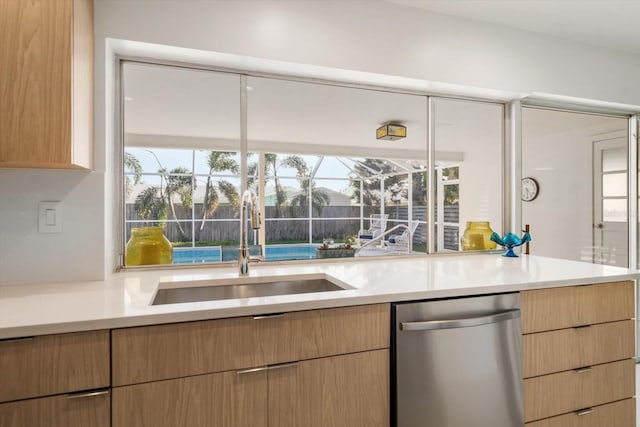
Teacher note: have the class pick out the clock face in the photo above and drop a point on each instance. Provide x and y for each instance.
(529, 189)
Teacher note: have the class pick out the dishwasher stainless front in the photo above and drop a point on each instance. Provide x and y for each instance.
(458, 362)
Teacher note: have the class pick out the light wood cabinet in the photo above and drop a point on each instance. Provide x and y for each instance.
(53, 364)
(578, 348)
(568, 391)
(342, 391)
(46, 89)
(58, 411)
(311, 368)
(339, 391)
(563, 349)
(571, 306)
(160, 352)
(55, 380)
(221, 399)
(617, 414)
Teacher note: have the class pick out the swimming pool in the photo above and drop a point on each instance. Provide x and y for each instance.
(215, 253)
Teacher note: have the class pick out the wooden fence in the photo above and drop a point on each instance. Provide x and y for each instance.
(293, 225)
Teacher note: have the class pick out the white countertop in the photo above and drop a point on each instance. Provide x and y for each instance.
(124, 299)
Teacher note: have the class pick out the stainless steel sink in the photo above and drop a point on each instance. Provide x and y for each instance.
(223, 291)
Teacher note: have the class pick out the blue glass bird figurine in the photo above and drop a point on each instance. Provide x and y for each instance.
(510, 241)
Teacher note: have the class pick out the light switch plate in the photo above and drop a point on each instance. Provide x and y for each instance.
(50, 217)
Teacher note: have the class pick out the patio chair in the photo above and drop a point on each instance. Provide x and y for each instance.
(377, 226)
(400, 242)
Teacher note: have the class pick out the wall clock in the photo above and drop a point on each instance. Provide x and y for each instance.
(530, 189)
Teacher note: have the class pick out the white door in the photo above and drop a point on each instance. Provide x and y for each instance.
(610, 216)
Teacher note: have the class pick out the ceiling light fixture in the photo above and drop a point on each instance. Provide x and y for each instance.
(391, 132)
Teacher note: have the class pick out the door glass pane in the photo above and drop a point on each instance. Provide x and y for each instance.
(614, 185)
(614, 210)
(614, 159)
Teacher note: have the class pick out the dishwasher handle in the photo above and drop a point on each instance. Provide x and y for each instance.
(430, 325)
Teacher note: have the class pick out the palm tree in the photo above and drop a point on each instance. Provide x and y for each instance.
(272, 166)
(219, 161)
(150, 205)
(178, 182)
(152, 202)
(131, 164)
(319, 198)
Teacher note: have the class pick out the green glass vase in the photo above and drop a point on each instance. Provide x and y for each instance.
(477, 236)
(148, 246)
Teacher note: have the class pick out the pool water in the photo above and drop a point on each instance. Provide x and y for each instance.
(196, 255)
(214, 253)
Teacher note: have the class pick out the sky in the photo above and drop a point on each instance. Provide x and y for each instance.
(196, 160)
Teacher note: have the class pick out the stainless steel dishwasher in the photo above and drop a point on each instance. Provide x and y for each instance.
(458, 362)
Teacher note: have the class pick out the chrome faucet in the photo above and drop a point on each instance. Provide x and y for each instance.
(250, 200)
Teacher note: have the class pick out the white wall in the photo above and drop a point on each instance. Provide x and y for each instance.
(370, 35)
(359, 35)
(27, 256)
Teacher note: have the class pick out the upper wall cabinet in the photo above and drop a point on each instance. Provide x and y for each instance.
(46, 88)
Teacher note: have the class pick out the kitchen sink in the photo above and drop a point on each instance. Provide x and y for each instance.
(237, 288)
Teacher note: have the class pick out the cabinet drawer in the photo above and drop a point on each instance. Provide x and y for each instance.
(53, 364)
(558, 308)
(556, 394)
(564, 349)
(350, 390)
(221, 399)
(170, 351)
(618, 414)
(58, 411)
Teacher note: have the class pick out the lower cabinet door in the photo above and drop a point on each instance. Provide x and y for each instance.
(226, 399)
(74, 410)
(350, 390)
(617, 414)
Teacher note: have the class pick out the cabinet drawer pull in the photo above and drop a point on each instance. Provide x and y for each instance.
(82, 394)
(583, 369)
(584, 411)
(252, 370)
(268, 316)
(282, 365)
(266, 368)
(16, 339)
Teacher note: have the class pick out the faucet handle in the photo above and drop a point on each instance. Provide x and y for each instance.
(256, 258)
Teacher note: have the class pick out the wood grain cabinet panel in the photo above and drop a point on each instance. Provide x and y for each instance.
(555, 394)
(53, 364)
(160, 352)
(226, 399)
(46, 89)
(342, 391)
(58, 411)
(566, 307)
(564, 349)
(617, 414)
(333, 331)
